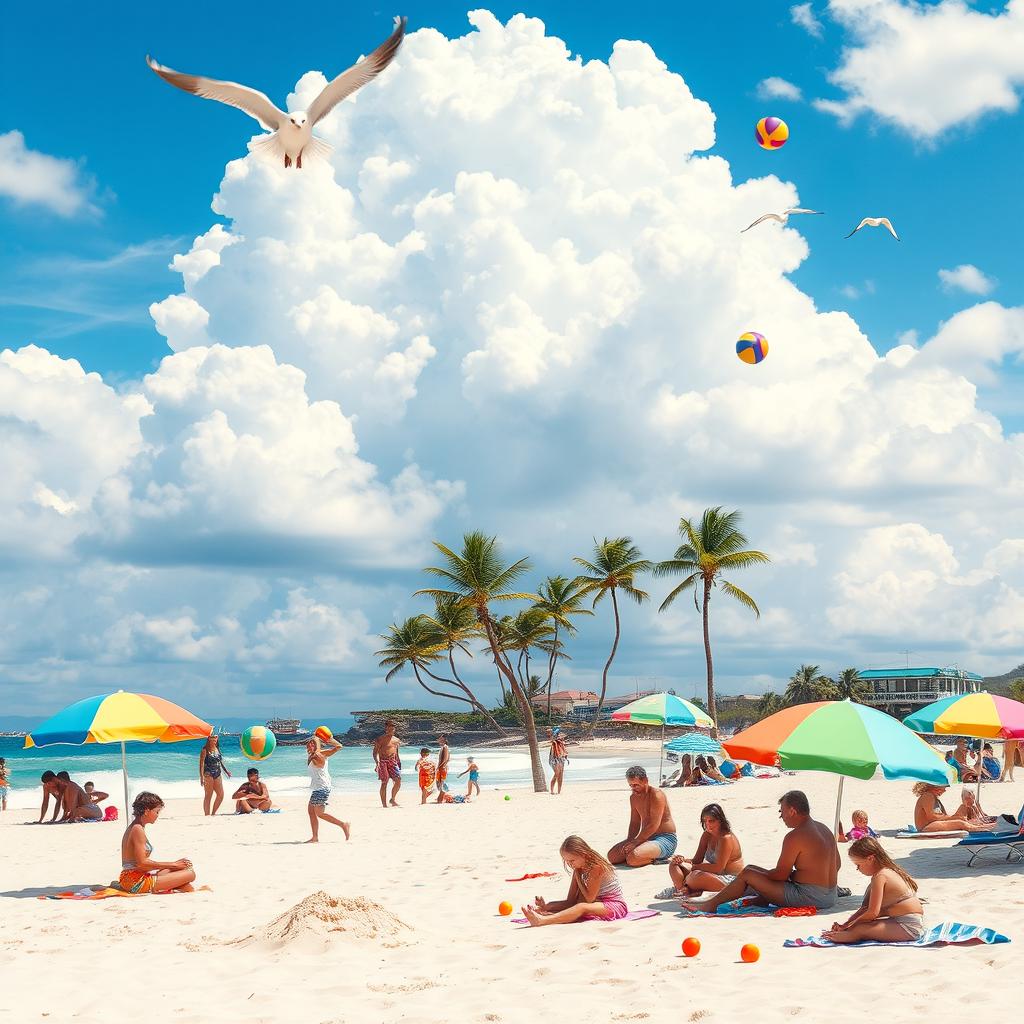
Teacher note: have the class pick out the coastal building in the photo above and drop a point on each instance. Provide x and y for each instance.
(585, 711)
(901, 691)
(565, 702)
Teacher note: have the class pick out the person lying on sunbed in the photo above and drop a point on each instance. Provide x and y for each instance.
(716, 863)
(891, 911)
(931, 816)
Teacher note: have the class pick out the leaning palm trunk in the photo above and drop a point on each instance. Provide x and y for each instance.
(607, 665)
(712, 709)
(505, 668)
(551, 668)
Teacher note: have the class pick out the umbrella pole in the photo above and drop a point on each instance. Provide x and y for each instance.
(839, 804)
(124, 773)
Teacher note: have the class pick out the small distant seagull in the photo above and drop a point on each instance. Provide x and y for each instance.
(875, 222)
(291, 134)
(780, 217)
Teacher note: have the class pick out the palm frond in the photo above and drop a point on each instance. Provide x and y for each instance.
(690, 581)
(742, 596)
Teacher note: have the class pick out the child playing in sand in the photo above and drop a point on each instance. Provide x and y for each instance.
(860, 829)
(4, 784)
(891, 911)
(474, 777)
(427, 771)
(594, 892)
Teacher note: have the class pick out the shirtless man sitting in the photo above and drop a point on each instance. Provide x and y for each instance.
(652, 832)
(252, 795)
(806, 873)
(388, 763)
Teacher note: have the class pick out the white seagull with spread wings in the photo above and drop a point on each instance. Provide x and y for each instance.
(780, 217)
(875, 222)
(291, 134)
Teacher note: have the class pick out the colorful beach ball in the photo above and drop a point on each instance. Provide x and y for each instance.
(771, 133)
(257, 742)
(752, 347)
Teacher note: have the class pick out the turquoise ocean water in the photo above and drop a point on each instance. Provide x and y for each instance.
(172, 769)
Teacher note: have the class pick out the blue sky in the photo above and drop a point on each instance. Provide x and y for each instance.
(80, 286)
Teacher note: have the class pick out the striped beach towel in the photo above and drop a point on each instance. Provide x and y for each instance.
(949, 933)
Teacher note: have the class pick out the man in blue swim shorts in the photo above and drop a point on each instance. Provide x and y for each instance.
(652, 832)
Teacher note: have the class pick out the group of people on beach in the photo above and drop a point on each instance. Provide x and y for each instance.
(72, 802)
(805, 875)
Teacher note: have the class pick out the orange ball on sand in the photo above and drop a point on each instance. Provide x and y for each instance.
(504, 908)
(691, 946)
(750, 954)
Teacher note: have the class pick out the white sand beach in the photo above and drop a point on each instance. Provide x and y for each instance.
(415, 935)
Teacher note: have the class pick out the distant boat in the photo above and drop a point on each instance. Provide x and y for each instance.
(289, 731)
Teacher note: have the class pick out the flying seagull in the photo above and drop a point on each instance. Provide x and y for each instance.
(780, 217)
(291, 134)
(875, 222)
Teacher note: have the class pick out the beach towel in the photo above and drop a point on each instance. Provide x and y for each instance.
(745, 907)
(911, 833)
(633, 915)
(273, 810)
(949, 933)
(536, 874)
(106, 892)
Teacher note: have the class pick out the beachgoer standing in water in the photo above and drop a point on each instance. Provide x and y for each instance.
(473, 771)
(320, 786)
(4, 784)
(139, 872)
(388, 763)
(443, 757)
(211, 765)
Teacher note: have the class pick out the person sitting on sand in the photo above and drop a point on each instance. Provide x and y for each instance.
(97, 796)
(716, 863)
(805, 874)
(388, 763)
(931, 816)
(891, 911)
(71, 797)
(473, 770)
(989, 764)
(427, 772)
(5, 784)
(139, 872)
(859, 829)
(970, 809)
(712, 771)
(252, 795)
(959, 757)
(682, 775)
(652, 832)
(320, 785)
(594, 892)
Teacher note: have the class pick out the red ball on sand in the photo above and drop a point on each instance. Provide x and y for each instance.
(504, 908)
(691, 946)
(750, 954)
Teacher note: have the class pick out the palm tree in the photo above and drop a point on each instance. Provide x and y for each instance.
(526, 629)
(808, 685)
(769, 704)
(477, 576)
(709, 549)
(850, 686)
(560, 600)
(616, 565)
(414, 642)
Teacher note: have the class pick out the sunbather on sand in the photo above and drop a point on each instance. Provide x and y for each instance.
(931, 816)
(139, 872)
(594, 892)
(970, 809)
(891, 911)
(716, 863)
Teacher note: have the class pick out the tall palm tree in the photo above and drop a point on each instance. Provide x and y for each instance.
(415, 643)
(769, 704)
(560, 600)
(710, 548)
(526, 630)
(808, 685)
(476, 576)
(616, 565)
(850, 686)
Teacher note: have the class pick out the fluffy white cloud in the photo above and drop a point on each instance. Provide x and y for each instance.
(774, 88)
(28, 177)
(927, 67)
(804, 16)
(967, 278)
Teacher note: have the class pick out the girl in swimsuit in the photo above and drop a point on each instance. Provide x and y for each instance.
(716, 863)
(139, 872)
(594, 892)
(211, 765)
(891, 911)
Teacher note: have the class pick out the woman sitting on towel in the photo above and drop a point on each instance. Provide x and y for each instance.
(139, 872)
(716, 863)
(891, 911)
(931, 816)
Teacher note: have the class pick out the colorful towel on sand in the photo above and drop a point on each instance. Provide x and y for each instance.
(633, 915)
(949, 933)
(536, 874)
(273, 810)
(745, 907)
(106, 892)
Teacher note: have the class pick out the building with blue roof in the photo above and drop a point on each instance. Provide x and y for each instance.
(901, 691)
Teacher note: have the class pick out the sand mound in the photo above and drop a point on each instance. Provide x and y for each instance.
(321, 919)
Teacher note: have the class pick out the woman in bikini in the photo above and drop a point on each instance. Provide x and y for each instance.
(931, 816)
(139, 872)
(891, 911)
(716, 863)
(594, 892)
(211, 766)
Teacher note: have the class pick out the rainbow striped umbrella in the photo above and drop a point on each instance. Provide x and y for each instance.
(663, 709)
(983, 715)
(120, 718)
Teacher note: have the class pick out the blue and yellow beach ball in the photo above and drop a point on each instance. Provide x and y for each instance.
(771, 133)
(257, 742)
(752, 347)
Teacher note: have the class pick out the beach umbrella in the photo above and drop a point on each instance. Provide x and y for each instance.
(663, 709)
(978, 715)
(841, 737)
(119, 718)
